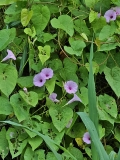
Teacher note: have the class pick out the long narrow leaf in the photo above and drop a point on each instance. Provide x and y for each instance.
(93, 113)
(94, 136)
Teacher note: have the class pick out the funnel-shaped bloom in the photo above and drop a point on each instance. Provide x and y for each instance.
(117, 10)
(110, 15)
(48, 72)
(86, 138)
(53, 97)
(10, 55)
(75, 98)
(71, 87)
(39, 79)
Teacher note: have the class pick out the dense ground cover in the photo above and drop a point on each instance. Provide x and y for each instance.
(59, 79)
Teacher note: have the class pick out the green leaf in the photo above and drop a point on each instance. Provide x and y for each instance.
(81, 27)
(60, 116)
(8, 78)
(6, 37)
(44, 53)
(30, 98)
(34, 61)
(5, 106)
(92, 16)
(48, 37)
(35, 142)
(4, 148)
(25, 81)
(76, 48)
(95, 67)
(67, 65)
(50, 85)
(19, 107)
(92, 93)
(118, 156)
(62, 23)
(13, 139)
(90, 3)
(52, 132)
(75, 152)
(7, 2)
(26, 16)
(108, 104)
(94, 136)
(29, 154)
(40, 18)
(112, 76)
(50, 156)
(72, 52)
(77, 130)
(117, 134)
(105, 116)
(30, 31)
(106, 32)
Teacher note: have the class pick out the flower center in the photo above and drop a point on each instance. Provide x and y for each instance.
(47, 75)
(70, 88)
(41, 80)
(111, 17)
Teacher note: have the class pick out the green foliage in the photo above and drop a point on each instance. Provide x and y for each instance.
(6, 37)
(38, 115)
(112, 76)
(60, 116)
(7, 80)
(62, 23)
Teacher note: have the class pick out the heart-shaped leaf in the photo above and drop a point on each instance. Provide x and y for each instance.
(62, 23)
(60, 116)
(8, 78)
(30, 98)
(44, 53)
(113, 78)
(25, 16)
(19, 107)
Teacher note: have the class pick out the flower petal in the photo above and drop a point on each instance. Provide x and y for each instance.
(10, 55)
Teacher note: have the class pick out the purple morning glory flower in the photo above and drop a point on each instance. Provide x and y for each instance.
(53, 97)
(110, 15)
(86, 138)
(48, 72)
(69, 123)
(75, 98)
(39, 79)
(71, 87)
(10, 55)
(117, 10)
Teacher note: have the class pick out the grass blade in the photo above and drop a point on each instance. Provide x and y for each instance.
(93, 113)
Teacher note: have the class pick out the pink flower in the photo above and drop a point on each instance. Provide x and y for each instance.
(86, 138)
(110, 15)
(117, 10)
(9, 56)
(71, 87)
(74, 99)
(39, 79)
(53, 97)
(48, 72)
